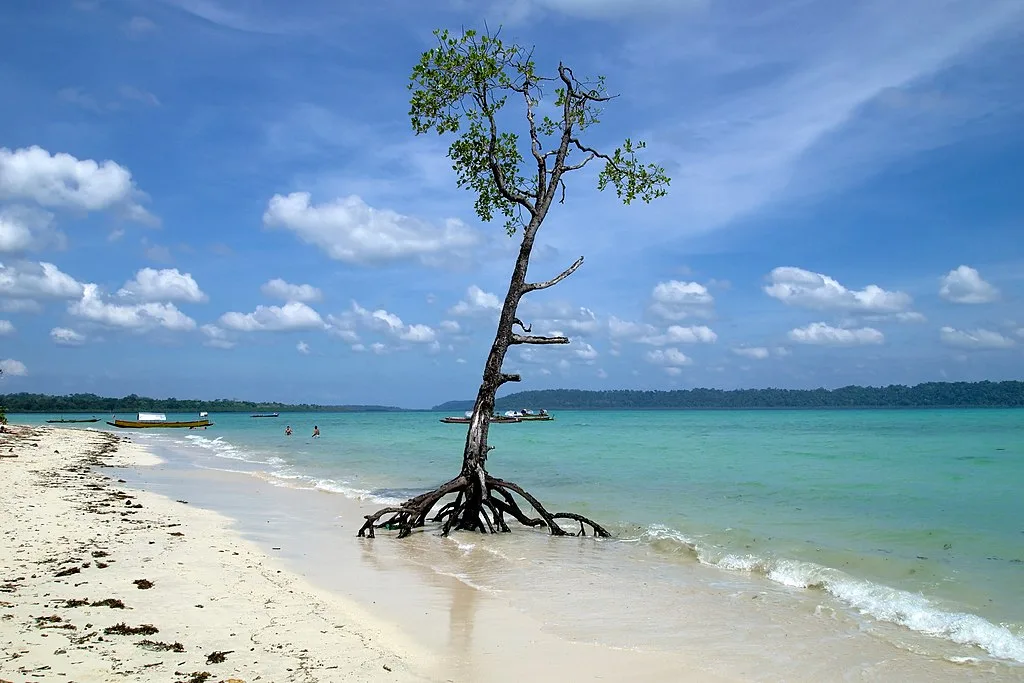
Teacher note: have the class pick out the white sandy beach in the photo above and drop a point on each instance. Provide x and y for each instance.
(283, 587)
(77, 539)
(73, 538)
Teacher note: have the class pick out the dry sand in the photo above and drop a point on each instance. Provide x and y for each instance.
(81, 557)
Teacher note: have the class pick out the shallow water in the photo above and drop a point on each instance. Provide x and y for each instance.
(908, 525)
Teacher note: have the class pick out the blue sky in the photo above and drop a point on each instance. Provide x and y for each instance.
(218, 198)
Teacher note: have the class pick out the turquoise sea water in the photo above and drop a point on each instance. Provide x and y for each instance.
(913, 519)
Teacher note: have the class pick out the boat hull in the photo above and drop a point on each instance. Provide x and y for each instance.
(135, 424)
(465, 420)
(536, 418)
(71, 421)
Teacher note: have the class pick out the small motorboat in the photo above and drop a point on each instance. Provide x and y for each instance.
(63, 421)
(529, 415)
(265, 415)
(495, 419)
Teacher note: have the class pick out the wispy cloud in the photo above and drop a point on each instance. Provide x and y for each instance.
(804, 99)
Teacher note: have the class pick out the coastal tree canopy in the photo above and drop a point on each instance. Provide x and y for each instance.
(1007, 394)
(515, 159)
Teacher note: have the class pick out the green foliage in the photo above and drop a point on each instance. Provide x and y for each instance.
(462, 87)
(91, 403)
(928, 395)
(3, 415)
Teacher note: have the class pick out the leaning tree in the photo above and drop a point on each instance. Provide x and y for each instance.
(462, 87)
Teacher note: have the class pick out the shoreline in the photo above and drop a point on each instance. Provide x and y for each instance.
(742, 626)
(93, 529)
(423, 600)
(80, 552)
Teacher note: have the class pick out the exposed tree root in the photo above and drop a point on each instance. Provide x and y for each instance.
(475, 507)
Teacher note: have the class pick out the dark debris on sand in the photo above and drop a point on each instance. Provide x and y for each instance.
(124, 629)
(157, 646)
(195, 677)
(216, 657)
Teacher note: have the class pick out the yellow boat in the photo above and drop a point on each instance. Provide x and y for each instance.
(148, 420)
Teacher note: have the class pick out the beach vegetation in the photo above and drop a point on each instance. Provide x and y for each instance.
(518, 135)
(1005, 394)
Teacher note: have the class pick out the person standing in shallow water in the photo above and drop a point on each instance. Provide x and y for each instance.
(316, 431)
(288, 430)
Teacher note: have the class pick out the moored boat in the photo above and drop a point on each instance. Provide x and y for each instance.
(63, 421)
(495, 419)
(529, 415)
(150, 420)
(265, 415)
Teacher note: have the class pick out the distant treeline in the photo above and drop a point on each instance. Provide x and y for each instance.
(927, 395)
(91, 403)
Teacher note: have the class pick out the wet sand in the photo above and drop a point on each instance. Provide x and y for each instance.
(101, 583)
(100, 580)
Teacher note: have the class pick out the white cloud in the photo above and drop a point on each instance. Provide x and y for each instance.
(279, 289)
(216, 337)
(14, 235)
(419, 334)
(671, 358)
(675, 300)
(343, 328)
(24, 228)
(624, 329)
(559, 316)
(755, 352)
(823, 120)
(379, 348)
(965, 286)
(585, 351)
(806, 289)
(383, 321)
(601, 374)
(477, 302)
(6, 327)
(349, 230)
(162, 285)
(139, 317)
(460, 361)
(450, 326)
(63, 336)
(826, 335)
(13, 368)
(61, 180)
(19, 306)
(26, 280)
(676, 334)
(294, 315)
(303, 348)
(901, 317)
(974, 339)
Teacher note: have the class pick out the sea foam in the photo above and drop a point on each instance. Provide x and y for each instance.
(880, 602)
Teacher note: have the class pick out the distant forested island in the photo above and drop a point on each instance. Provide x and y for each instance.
(1008, 394)
(91, 403)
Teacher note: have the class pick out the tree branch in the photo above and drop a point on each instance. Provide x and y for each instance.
(526, 328)
(535, 145)
(508, 377)
(534, 286)
(510, 194)
(532, 339)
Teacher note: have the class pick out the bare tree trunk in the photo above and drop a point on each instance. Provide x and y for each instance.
(482, 501)
(474, 457)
